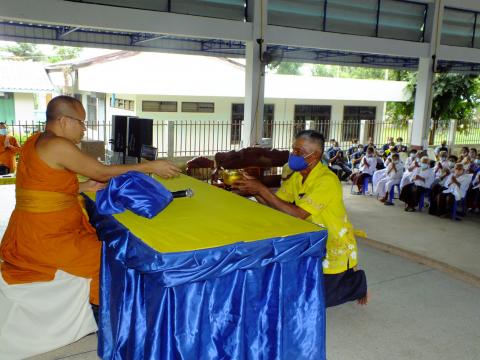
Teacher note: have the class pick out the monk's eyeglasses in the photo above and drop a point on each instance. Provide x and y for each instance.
(82, 123)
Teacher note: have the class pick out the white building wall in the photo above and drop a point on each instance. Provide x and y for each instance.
(24, 108)
(208, 133)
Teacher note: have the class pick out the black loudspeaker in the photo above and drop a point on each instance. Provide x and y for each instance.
(119, 132)
(140, 132)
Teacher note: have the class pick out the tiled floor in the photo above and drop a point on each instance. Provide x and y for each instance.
(414, 313)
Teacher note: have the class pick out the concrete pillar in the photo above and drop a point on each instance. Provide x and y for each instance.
(254, 79)
(425, 76)
(452, 131)
(423, 104)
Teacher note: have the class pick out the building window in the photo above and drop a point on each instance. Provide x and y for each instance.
(123, 104)
(198, 107)
(351, 120)
(159, 106)
(237, 118)
(91, 110)
(317, 115)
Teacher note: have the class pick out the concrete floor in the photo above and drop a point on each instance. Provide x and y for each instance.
(415, 312)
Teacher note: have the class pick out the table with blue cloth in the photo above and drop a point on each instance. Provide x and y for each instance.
(214, 276)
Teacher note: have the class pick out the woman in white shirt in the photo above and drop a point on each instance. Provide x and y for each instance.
(473, 194)
(367, 168)
(456, 188)
(392, 177)
(417, 183)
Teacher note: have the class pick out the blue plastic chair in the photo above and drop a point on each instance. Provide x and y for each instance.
(391, 193)
(421, 202)
(366, 181)
(463, 203)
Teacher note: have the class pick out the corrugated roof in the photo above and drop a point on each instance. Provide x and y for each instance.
(23, 76)
(193, 75)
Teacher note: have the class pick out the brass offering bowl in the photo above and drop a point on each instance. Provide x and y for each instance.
(230, 176)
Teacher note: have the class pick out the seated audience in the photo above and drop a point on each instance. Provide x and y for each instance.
(356, 157)
(333, 149)
(393, 175)
(386, 146)
(369, 144)
(352, 149)
(442, 147)
(473, 194)
(463, 154)
(419, 181)
(400, 146)
(454, 189)
(367, 168)
(339, 165)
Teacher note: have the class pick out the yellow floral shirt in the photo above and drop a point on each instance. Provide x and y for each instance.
(321, 196)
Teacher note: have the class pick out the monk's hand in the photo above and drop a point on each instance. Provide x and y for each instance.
(91, 186)
(163, 168)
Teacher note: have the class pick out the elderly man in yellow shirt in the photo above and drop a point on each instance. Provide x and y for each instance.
(314, 193)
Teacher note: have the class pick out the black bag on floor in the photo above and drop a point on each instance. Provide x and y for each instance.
(4, 170)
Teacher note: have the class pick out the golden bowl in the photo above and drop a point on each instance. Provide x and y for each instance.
(230, 176)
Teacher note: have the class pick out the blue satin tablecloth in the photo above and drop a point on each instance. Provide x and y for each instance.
(228, 295)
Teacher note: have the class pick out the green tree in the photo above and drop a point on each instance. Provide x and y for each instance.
(287, 68)
(62, 53)
(23, 51)
(353, 72)
(455, 96)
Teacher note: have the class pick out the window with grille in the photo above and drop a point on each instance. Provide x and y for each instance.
(198, 107)
(237, 118)
(159, 106)
(318, 115)
(91, 110)
(123, 104)
(351, 120)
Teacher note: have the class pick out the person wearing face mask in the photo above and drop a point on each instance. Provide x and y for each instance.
(456, 187)
(356, 157)
(8, 149)
(470, 161)
(380, 174)
(441, 164)
(392, 177)
(419, 181)
(464, 152)
(367, 168)
(400, 147)
(408, 167)
(333, 149)
(314, 193)
(473, 194)
(442, 147)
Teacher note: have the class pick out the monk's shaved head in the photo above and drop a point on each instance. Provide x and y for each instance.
(63, 106)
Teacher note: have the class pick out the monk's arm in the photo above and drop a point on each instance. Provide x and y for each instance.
(61, 153)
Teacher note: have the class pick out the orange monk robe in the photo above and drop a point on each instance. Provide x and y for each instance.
(48, 230)
(8, 148)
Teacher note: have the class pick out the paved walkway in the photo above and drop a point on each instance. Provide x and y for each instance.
(454, 244)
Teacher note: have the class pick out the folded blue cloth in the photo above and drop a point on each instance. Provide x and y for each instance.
(134, 191)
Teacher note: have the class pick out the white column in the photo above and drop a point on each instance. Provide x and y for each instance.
(423, 95)
(254, 79)
(423, 103)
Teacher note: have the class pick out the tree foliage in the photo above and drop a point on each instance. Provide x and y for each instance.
(62, 53)
(287, 68)
(24, 51)
(455, 96)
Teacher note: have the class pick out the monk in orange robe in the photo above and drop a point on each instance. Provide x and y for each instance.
(8, 148)
(48, 230)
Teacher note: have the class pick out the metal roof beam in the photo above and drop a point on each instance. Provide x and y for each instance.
(333, 41)
(113, 18)
(65, 31)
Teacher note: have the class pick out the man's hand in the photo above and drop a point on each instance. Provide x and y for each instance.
(249, 185)
(163, 168)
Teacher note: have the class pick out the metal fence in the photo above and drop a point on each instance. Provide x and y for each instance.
(195, 138)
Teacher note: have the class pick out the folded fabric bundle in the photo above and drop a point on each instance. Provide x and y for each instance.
(133, 191)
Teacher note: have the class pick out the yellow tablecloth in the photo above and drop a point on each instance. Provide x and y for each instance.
(7, 180)
(212, 217)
